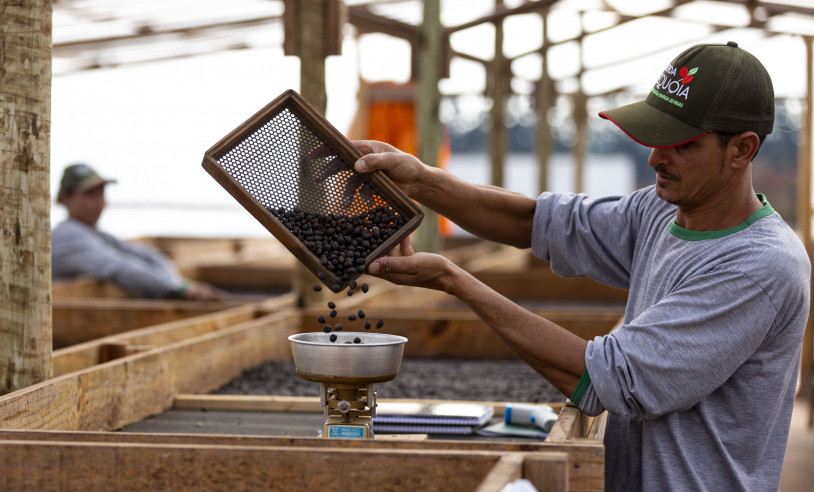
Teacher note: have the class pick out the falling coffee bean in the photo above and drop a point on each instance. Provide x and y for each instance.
(367, 325)
(338, 327)
(333, 313)
(361, 314)
(333, 337)
(331, 304)
(365, 288)
(317, 288)
(357, 340)
(379, 324)
(351, 317)
(326, 328)
(321, 319)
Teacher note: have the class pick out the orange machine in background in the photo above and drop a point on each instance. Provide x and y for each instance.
(387, 112)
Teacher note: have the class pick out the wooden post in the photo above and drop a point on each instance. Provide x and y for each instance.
(544, 100)
(497, 135)
(429, 99)
(306, 36)
(25, 240)
(804, 223)
(581, 142)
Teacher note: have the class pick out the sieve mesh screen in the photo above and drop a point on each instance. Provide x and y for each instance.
(294, 172)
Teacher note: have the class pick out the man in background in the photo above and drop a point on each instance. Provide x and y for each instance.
(79, 248)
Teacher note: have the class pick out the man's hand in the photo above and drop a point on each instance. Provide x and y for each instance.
(403, 266)
(204, 292)
(405, 170)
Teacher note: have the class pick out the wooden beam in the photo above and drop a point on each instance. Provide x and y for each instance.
(111, 395)
(25, 232)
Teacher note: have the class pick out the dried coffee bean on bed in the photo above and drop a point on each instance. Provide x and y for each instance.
(352, 284)
(365, 288)
(331, 304)
(350, 292)
(379, 324)
(326, 328)
(351, 317)
(333, 313)
(357, 340)
(338, 327)
(332, 337)
(361, 314)
(367, 325)
(321, 318)
(317, 288)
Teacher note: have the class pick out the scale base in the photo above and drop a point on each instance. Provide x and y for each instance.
(360, 427)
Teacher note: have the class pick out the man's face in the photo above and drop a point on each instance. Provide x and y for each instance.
(693, 174)
(86, 206)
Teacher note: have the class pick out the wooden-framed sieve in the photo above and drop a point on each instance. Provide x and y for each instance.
(293, 171)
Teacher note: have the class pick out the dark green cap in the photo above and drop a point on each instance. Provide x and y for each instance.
(707, 88)
(79, 178)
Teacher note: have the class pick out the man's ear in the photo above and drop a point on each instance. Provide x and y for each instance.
(743, 148)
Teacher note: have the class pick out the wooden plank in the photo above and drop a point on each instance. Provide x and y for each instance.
(126, 390)
(87, 354)
(585, 459)
(508, 469)
(79, 320)
(548, 472)
(297, 403)
(137, 467)
(449, 333)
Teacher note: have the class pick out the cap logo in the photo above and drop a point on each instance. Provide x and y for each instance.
(673, 85)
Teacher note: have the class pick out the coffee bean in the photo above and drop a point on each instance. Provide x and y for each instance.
(333, 313)
(361, 314)
(352, 284)
(321, 319)
(317, 288)
(365, 288)
(367, 325)
(321, 276)
(350, 292)
(331, 304)
(332, 337)
(351, 317)
(379, 324)
(357, 340)
(326, 328)
(338, 327)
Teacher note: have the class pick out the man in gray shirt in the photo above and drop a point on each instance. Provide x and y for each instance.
(79, 248)
(699, 380)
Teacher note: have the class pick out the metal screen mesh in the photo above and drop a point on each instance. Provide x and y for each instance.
(294, 172)
(284, 164)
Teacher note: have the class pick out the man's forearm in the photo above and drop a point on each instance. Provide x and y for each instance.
(489, 212)
(554, 352)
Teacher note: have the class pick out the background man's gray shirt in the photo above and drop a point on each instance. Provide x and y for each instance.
(700, 379)
(80, 250)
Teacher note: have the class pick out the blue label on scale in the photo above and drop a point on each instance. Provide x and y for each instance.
(346, 431)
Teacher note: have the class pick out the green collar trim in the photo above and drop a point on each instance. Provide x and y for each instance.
(689, 235)
(582, 386)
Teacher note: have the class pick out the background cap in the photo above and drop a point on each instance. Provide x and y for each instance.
(707, 88)
(79, 178)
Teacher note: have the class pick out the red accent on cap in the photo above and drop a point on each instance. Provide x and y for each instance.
(605, 116)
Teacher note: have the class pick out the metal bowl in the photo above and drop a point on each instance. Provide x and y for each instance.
(376, 359)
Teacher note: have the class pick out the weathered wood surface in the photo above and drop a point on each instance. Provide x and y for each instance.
(25, 231)
(138, 467)
(125, 390)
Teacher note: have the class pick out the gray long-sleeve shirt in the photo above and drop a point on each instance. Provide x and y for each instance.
(80, 250)
(699, 381)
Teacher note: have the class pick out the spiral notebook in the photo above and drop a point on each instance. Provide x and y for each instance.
(431, 418)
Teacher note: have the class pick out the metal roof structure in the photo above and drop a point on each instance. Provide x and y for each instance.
(598, 44)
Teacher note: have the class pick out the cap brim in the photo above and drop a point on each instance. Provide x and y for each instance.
(93, 182)
(651, 127)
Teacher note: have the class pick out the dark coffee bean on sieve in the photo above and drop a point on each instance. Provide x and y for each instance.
(338, 327)
(321, 276)
(326, 328)
(333, 313)
(336, 288)
(317, 288)
(352, 284)
(367, 325)
(365, 288)
(331, 304)
(379, 324)
(332, 337)
(351, 317)
(361, 314)
(321, 318)
(357, 340)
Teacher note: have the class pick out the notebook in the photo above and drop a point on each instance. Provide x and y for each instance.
(437, 418)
